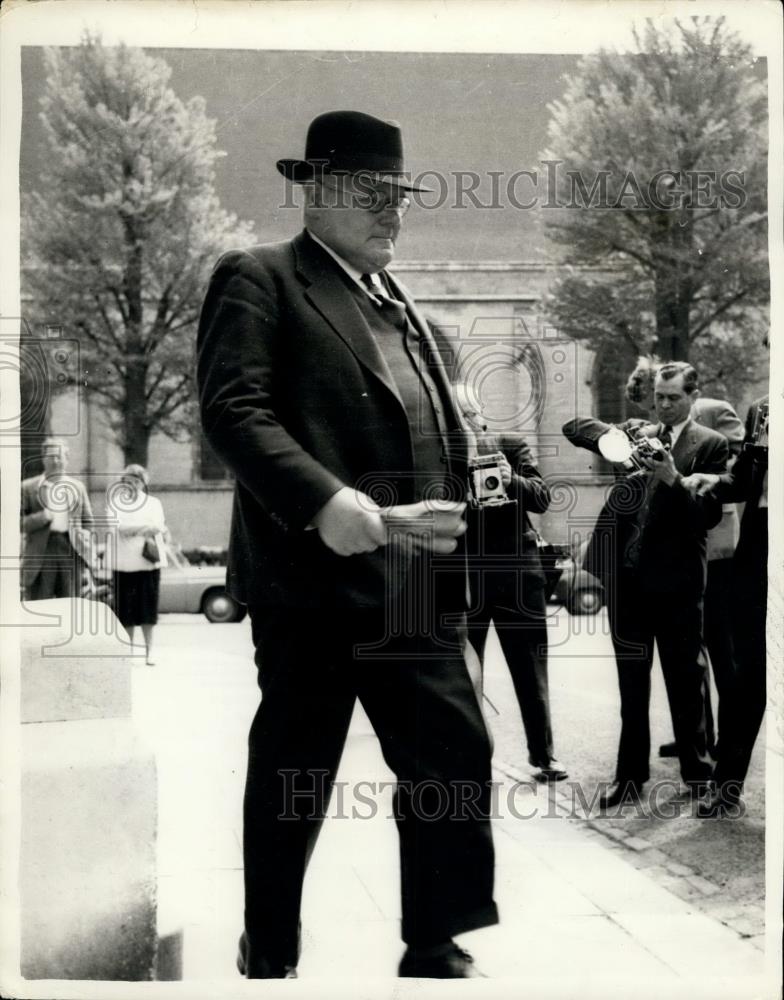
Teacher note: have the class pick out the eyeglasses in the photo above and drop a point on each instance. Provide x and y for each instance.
(369, 199)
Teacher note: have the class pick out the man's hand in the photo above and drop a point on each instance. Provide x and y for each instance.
(506, 471)
(699, 483)
(664, 470)
(350, 523)
(429, 524)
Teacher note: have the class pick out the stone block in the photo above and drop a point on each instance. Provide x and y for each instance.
(705, 887)
(637, 843)
(88, 802)
(616, 832)
(677, 869)
(87, 861)
(76, 666)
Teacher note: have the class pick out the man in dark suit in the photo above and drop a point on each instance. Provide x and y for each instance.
(746, 482)
(56, 521)
(648, 549)
(722, 539)
(507, 582)
(322, 390)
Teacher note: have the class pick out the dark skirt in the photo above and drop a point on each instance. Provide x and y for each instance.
(136, 596)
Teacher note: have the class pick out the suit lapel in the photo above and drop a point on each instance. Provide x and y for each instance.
(685, 448)
(327, 292)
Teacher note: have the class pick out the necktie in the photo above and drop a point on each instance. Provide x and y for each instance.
(394, 310)
(666, 435)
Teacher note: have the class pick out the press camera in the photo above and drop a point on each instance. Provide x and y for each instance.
(486, 481)
(631, 447)
(758, 443)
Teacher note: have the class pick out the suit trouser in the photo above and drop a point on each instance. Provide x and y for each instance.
(59, 572)
(637, 618)
(718, 640)
(521, 626)
(420, 701)
(749, 610)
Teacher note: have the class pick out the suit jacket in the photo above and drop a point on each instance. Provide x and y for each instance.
(743, 482)
(515, 536)
(720, 416)
(672, 525)
(36, 524)
(297, 400)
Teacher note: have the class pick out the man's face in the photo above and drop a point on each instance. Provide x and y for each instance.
(672, 402)
(474, 419)
(54, 459)
(360, 221)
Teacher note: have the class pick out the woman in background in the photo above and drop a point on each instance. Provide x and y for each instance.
(137, 577)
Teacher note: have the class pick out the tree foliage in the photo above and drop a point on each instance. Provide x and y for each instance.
(661, 179)
(119, 239)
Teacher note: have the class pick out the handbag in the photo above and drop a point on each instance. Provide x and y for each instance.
(150, 550)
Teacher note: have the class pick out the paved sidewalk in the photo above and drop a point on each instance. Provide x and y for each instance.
(573, 914)
(577, 920)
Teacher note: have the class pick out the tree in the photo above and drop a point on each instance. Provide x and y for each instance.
(659, 160)
(119, 240)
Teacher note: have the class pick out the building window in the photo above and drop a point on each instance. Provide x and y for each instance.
(210, 466)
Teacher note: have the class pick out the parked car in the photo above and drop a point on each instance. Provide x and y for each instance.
(577, 589)
(189, 589)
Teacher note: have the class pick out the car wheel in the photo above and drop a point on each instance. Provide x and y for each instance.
(220, 607)
(586, 602)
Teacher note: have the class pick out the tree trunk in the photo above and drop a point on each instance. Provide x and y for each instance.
(136, 428)
(136, 431)
(673, 293)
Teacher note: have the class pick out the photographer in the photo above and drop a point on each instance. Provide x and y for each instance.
(747, 481)
(649, 551)
(507, 582)
(722, 539)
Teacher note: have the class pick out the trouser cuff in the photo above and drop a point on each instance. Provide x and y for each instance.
(485, 916)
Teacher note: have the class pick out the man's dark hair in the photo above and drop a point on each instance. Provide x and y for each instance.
(671, 369)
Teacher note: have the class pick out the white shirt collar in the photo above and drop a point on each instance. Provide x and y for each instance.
(676, 429)
(350, 270)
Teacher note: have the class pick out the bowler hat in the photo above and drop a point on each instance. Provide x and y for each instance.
(350, 142)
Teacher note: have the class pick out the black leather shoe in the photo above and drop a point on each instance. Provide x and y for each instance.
(261, 968)
(444, 962)
(619, 793)
(552, 771)
(721, 804)
(668, 749)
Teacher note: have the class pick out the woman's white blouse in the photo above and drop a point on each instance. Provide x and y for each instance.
(128, 556)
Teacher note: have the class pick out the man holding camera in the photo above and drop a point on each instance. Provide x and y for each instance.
(507, 582)
(649, 551)
(322, 389)
(719, 415)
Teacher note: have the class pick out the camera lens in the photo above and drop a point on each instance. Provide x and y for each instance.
(492, 483)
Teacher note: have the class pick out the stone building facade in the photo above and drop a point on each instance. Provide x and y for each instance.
(530, 377)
